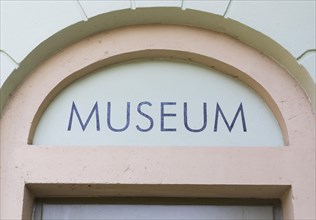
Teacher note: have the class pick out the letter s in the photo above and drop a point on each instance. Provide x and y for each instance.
(151, 121)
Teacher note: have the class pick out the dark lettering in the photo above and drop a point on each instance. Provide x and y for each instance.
(151, 121)
(185, 112)
(163, 115)
(231, 126)
(84, 125)
(127, 118)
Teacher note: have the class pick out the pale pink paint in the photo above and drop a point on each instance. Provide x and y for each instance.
(287, 173)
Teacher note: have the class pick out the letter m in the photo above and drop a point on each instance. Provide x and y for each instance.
(240, 111)
(74, 110)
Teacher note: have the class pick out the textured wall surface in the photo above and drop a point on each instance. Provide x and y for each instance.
(33, 34)
(25, 24)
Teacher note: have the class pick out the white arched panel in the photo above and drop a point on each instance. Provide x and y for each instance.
(158, 103)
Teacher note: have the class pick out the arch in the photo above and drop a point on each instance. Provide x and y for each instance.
(212, 49)
(218, 50)
(154, 82)
(157, 15)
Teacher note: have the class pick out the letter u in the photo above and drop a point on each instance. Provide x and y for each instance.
(185, 112)
(127, 118)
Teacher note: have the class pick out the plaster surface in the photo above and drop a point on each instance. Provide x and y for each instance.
(287, 173)
(280, 20)
(152, 15)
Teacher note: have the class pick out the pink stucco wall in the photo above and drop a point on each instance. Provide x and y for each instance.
(287, 173)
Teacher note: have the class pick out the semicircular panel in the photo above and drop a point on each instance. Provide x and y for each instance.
(158, 103)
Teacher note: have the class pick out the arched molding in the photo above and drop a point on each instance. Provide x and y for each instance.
(24, 165)
(176, 16)
(209, 48)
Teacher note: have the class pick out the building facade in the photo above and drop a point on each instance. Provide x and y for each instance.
(205, 104)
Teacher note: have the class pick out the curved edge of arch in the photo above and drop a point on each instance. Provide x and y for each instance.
(176, 16)
(169, 55)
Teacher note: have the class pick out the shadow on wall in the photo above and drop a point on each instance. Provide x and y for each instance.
(164, 15)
